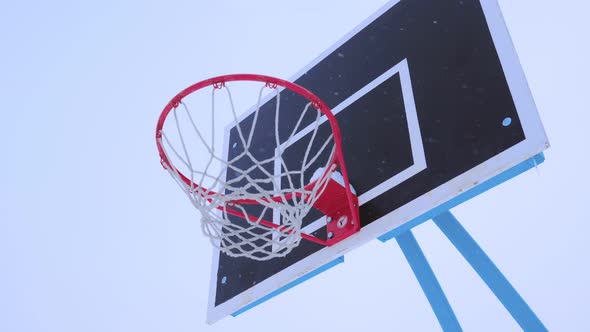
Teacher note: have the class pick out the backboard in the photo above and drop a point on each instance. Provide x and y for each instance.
(431, 101)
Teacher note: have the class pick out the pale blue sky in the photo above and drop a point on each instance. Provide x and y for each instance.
(94, 236)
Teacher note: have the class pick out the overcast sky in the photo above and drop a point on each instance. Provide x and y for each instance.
(94, 235)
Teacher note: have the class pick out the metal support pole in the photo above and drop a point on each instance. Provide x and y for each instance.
(434, 293)
(488, 272)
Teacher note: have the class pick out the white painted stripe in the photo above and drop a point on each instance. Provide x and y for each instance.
(419, 160)
(314, 226)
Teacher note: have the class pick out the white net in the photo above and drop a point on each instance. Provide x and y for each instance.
(252, 188)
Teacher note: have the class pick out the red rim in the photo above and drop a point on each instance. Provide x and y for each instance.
(271, 82)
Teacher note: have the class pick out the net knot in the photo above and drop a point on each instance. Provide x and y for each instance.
(175, 102)
(164, 164)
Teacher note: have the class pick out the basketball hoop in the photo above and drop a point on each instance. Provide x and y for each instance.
(253, 203)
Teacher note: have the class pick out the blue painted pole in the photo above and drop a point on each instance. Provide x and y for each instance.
(488, 272)
(434, 293)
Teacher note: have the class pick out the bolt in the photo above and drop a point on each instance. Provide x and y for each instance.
(342, 221)
(330, 235)
(328, 219)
